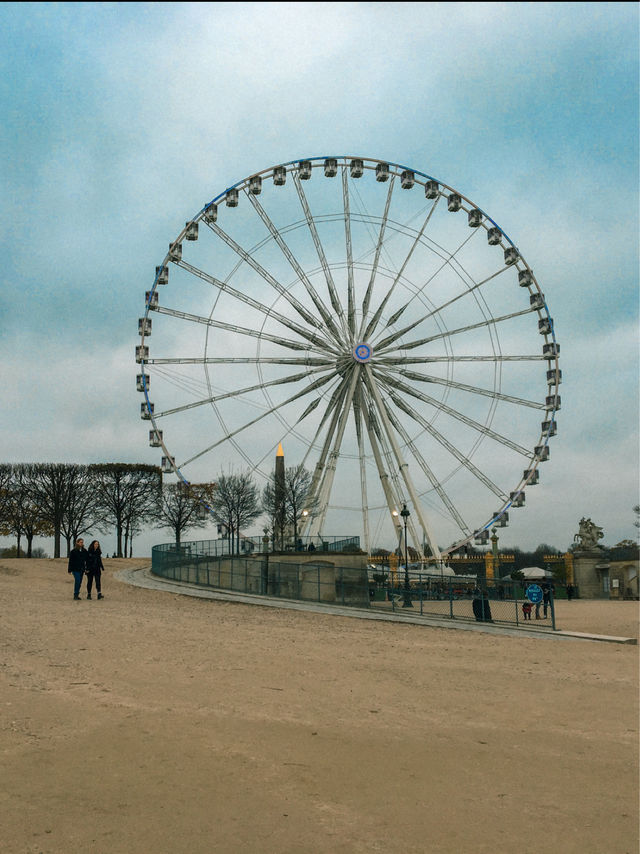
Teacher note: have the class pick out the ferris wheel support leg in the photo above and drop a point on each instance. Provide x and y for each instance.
(313, 493)
(403, 467)
(357, 414)
(327, 481)
(392, 501)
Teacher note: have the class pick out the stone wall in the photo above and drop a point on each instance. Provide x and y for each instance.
(316, 576)
(625, 572)
(599, 578)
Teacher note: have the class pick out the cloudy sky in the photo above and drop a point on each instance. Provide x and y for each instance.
(119, 121)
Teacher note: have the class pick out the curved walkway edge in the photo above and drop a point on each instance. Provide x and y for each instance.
(143, 577)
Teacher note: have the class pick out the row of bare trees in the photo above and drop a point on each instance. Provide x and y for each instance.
(67, 500)
(235, 503)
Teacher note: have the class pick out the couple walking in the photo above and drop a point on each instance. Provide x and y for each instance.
(87, 561)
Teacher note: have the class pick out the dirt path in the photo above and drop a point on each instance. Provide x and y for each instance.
(151, 722)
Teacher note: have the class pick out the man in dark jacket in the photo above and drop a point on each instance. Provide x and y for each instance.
(78, 562)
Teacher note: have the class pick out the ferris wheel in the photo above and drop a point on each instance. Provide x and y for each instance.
(374, 321)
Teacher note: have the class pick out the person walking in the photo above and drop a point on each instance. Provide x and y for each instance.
(78, 563)
(94, 568)
(547, 590)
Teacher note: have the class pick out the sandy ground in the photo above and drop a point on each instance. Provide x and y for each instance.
(153, 722)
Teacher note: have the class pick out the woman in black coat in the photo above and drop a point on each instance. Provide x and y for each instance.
(94, 568)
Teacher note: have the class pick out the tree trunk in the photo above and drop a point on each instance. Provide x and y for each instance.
(18, 544)
(29, 544)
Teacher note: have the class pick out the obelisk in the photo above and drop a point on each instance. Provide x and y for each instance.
(280, 494)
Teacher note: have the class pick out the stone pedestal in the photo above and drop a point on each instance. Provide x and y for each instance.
(590, 580)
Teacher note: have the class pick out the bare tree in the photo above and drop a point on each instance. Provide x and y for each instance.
(182, 509)
(24, 512)
(129, 494)
(5, 483)
(297, 481)
(82, 511)
(289, 508)
(49, 487)
(234, 503)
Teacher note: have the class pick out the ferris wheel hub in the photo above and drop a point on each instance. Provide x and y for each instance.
(363, 352)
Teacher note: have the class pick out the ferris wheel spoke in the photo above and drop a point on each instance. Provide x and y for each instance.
(275, 284)
(376, 258)
(397, 314)
(244, 360)
(253, 303)
(421, 360)
(479, 325)
(462, 458)
(321, 344)
(398, 427)
(292, 378)
(428, 472)
(351, 305)
(472, 389)
(390, 339)
(469, 290)
(378, 314)
(331, 287)
(311, 387)
(315, 297)
(394, 384)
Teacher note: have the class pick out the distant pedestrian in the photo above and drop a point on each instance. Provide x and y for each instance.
(480, 605)
(78, 564)
(94, 569)
(569, 592)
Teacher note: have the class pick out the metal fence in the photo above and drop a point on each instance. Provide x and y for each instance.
(319, 579)
(483, 600)
(251, 545)
(209, 563)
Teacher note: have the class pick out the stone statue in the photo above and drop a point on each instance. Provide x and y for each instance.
(588, 534)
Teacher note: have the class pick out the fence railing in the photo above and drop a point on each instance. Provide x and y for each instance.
(250, 545)
(490, 601)
(321, 578)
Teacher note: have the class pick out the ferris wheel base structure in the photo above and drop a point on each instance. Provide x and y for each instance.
(375, 321)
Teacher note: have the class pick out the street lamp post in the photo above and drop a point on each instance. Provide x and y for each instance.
(406, 601)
